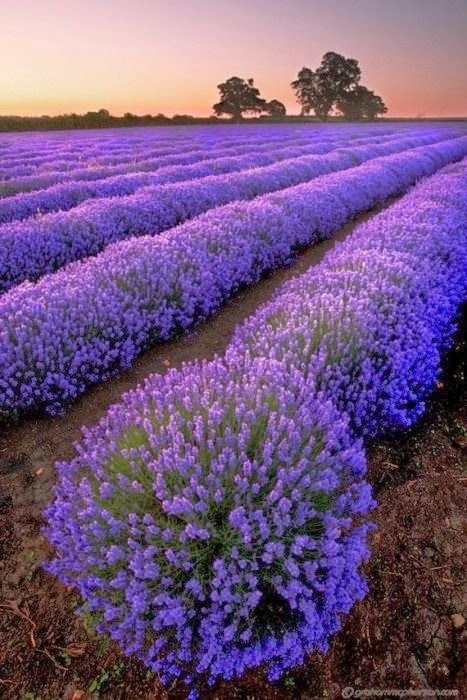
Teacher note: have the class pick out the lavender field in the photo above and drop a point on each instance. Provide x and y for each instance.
(215, 520)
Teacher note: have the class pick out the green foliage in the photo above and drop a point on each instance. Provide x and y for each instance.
(289, 682)
(335, 85)
(237, 97)
(275, 109)
(91, 120)
(360, 103)
(90, 621)
(99, 683)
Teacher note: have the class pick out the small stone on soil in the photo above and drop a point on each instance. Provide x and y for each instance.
(457, 620)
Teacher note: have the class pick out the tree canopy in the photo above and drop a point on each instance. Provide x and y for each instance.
(275, 109)
(360, 103)
(239, 97)
(335, 85)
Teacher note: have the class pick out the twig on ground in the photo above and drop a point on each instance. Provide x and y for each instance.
(12, 606)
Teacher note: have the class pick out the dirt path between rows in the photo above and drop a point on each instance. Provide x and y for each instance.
(402, 635)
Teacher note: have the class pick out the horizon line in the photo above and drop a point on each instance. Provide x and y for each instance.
(213, 116)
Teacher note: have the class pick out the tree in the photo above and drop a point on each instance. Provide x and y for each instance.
(237, 97)
(304, 88)
(335, 76)
(275, 109)
(182, 118)
(360, 103)
(373, 105)
(319, 90)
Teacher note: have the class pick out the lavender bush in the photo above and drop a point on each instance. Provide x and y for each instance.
(87, 322)
(213, 529)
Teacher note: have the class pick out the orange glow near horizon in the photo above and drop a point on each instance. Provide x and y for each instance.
(150, 56)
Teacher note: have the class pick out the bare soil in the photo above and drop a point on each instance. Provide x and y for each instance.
(407, 633)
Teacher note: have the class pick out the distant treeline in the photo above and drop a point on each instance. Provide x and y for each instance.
(103, 120)
(93, 120)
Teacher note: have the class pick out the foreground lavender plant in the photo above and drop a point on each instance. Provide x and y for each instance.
(210, 521)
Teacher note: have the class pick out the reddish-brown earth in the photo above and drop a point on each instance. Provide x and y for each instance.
(407, 633)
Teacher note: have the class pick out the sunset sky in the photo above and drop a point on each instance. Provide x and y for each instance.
(168, 56)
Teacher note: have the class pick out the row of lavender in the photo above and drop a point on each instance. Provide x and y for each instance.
(183, 155)
(24, 171)
(67, 195)
(212, 520)
(39, 148)
(35, 247)
(194, 150)
(18, 183)
(90, 320)
(35, 145)
(34, 165)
